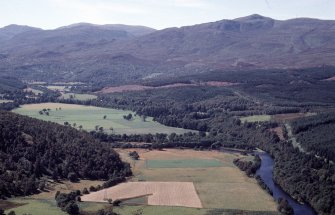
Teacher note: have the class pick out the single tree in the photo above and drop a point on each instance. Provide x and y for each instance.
(72, 177)
(72, 208)
(85, 191)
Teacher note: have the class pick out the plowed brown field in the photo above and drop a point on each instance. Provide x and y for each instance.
(159, 193)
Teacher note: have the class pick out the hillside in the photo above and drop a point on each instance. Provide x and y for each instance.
(8, 84)
(32, 151)
(98, 54)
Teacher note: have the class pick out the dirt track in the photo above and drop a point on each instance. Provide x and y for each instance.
(160, 193)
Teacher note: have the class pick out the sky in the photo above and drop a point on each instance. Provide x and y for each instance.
(158, 14)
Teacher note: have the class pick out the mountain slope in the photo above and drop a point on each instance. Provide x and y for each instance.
(99, 54)
(32, 150)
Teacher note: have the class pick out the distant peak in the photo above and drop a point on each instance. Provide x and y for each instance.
(15, 26)
(75, 25)
(252, 17)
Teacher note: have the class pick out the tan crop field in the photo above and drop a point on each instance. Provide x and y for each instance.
(159, 193)
(290, 116)
(330, 79)
(217, 187)
(279, 131)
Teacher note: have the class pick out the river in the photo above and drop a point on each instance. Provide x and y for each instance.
(265, 172)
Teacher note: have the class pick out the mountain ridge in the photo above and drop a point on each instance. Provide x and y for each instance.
(97, 53)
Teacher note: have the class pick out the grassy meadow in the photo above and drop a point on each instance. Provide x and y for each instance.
(76, 96)
(38, 204)
(256, 118)
(89, 117)
(58, 87)
(35, 207)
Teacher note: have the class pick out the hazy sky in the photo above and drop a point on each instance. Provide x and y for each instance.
(158, 14)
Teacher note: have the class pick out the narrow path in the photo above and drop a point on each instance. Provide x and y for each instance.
(291, 137)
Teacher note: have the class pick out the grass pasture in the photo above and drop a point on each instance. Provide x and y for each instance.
(256, 118)
(38, 204)
(89, 117)
(155, 210)
(35, 207)
(76, 96)
(60, 88)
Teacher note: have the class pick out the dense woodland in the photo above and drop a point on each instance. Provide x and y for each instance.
(32, 151)
(286, 88)
(316, 134)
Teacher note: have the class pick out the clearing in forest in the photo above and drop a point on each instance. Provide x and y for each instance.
(77, 96)
(256, 118)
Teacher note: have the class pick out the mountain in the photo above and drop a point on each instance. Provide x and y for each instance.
(114, 54)
(252, 41)
(48, 43)
(10, 31)
(131, 29)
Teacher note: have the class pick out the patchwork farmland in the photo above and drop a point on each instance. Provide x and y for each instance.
(217, 182)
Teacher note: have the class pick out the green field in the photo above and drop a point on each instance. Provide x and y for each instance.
(154, 210)
(256, 118)
(58, 87)
(145, 210)
(43, 207)
(76, 96)
(89, 117)
(5, 101)
(36, 207)
(192, 163)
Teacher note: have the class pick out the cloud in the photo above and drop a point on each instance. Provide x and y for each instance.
(99, 6)
(191, 3)
(96, 11)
